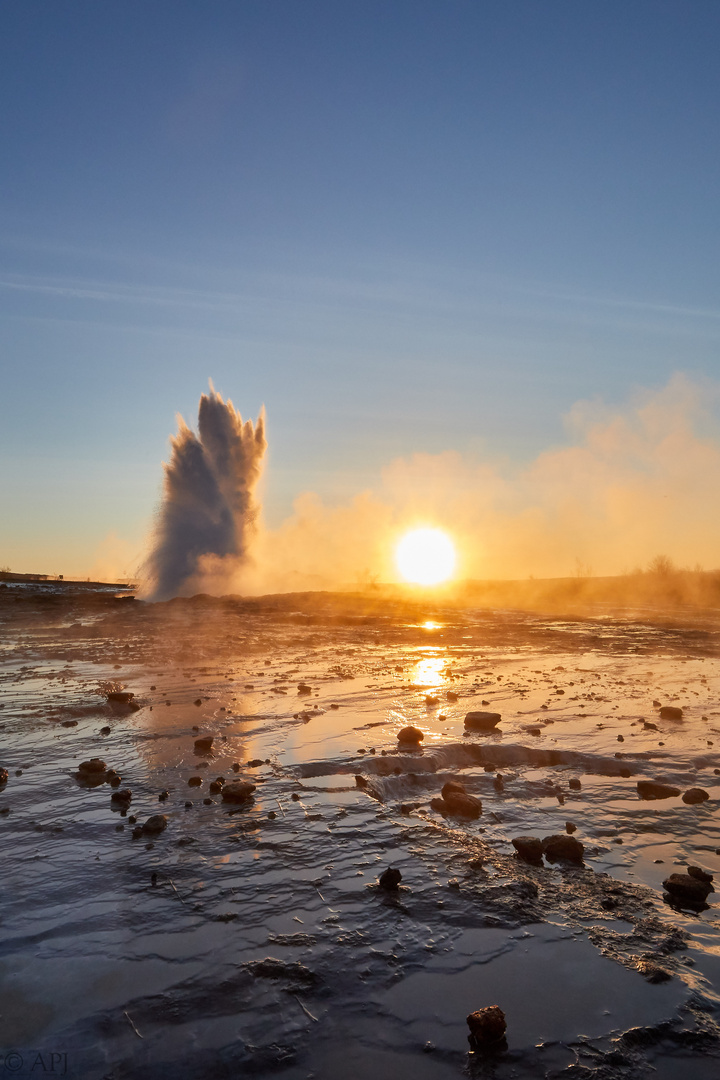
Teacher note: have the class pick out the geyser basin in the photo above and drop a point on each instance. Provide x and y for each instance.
(95, 949)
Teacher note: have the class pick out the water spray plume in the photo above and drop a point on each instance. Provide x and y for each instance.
(208, 513)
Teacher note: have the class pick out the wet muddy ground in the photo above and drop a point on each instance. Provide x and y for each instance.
(252, 938)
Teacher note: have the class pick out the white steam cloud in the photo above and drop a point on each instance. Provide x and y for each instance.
(629, 484)
(208, 513)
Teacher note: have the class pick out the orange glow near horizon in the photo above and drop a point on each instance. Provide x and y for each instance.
(426, 556)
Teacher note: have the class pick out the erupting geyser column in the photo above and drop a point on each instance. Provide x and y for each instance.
(208, 512)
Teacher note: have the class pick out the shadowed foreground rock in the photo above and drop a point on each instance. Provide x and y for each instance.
(482, 721)
(686, 888)
(238, 791)
(410, 736)
(695, 795)
(529, 848)
(562, 848)
(651, 789)
(456, 801)
(487, 1026)
(390, 879)
(671, 712)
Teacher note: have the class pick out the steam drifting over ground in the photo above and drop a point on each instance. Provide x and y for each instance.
(629, 484)
(208, 513)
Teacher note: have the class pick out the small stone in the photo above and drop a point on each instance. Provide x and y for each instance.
(94, 765)
(122, 697)
(410, 736)
(123, 797)
(461, 805)
(574, 784)
(105, 730)
(197, 701)
(155, 824)
(652, 789)
(487, 1026)
(390, 879)
(431, 700)
(695, 795)
(238, 791)
(700, 874)
(255, 763)
(4, 776)
(684, 887)
(163, 796)
(451, 696)
(562, 848)
(482, 721)
(204, 745)
(188, 805)
(216, 786)
(570, 827)
(304, 689)
(528, 848)
(195, 781)
(670, 712)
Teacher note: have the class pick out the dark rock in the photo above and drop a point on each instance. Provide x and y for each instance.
(651, 789)
(700, 874)
(684, 887)
(453, 787)
(123, 797)
(461, 805)
(4, 775)
(451, 696)
(431, 700)
(562, 848)
(656, 704)
(254, 764)
(155, 824)
(481, 721)
(105, 730)
(647, 726)
(204, 745)
(410, 736)
(670, 712)
(94, 765)
(195, 781)
(487, 1025)
(197, 701)
(238, 791)
(69, 723)
(360, 782)
(162, 797)
(390, 879)
(570, 827)
(216, 786)
(695, 795)
(528, 848)
(122, 697)
(304, 689)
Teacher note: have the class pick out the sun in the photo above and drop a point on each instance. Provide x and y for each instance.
(425, 556)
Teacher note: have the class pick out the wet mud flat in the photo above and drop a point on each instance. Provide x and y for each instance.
(251, 937)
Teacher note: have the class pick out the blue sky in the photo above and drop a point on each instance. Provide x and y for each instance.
(402, 226)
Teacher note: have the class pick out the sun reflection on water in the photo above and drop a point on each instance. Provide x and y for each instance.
(430, 671)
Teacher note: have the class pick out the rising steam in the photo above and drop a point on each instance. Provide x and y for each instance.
(208, 515)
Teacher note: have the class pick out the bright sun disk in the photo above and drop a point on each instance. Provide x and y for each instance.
(425, 556)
